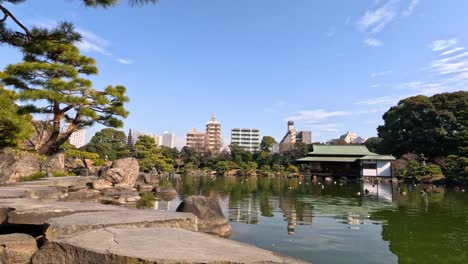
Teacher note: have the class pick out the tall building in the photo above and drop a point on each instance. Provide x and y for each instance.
(196, 140)
(247, 138)
(293, 136)
(168, 140)
(213, 135)
(77, 138)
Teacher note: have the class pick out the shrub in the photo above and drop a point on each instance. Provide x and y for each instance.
(33, 176)
(147, 200)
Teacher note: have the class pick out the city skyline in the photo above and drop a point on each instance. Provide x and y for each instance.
(328, 69)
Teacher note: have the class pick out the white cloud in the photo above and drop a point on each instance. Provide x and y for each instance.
(378, 100)
(382, 73)
(418, 87)
(331, 32)
(374, 21)
(452, 51)
(327, 127)
(91, 42)
(314, 116)
(411, 7)
(442, 44)
(372, 42)
(124, 61)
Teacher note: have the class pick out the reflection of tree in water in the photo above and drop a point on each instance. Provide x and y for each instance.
(429, 228)
(253, 198)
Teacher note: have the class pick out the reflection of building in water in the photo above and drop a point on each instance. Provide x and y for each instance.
(162, 205)
(295, 213)
(245, 210)
(382, 191)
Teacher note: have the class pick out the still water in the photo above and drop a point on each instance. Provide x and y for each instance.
(328, 222)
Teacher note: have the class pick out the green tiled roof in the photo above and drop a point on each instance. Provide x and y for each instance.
(341, 150)
(329, 159)
(379, 157)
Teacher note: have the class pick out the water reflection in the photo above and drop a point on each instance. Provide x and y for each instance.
(328, 222)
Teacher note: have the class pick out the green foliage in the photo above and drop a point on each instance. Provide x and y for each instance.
(108, 143)
(147, 200)
(292, 169)
(435, 126)
(248, 168)
(149, 156)
(224, 166)
(79, 154)
(409, 167)
(374, 144)
(33, 176)
(15, 128)
(267, 143)
(43, 174)
(51, 82)
(62, 174)
(456, 168)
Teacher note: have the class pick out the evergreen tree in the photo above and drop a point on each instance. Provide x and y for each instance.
(149, 156)
(14, 127)
(108, 143)
(50, 81)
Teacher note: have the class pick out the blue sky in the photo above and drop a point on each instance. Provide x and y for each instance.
(331, 66)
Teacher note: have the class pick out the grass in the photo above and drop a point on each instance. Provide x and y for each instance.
(146, 201)
(42, 174)
(33, 176)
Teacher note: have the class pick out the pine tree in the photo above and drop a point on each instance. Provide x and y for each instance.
(14, 127)
(51, 81)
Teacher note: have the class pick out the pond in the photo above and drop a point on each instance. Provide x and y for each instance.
(328, 222)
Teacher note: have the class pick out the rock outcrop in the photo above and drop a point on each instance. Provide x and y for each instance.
(210, 216)
(17, 248)
(53, 163)
(123, 172)
(13, 166)
(151, 245)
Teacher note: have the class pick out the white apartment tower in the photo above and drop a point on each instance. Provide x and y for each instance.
(77, 138)
(213, 135)
(168, 140)
(246, 138)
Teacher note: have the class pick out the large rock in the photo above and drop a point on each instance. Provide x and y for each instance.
(17, 248)
(151, 245)
(14, 166)
(210, 216)
(54, 163)
(123, 172)
(66, 226)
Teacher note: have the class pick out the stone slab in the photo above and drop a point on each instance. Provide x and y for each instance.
(66, 226)
(60, 181)
(151, 245)
(36, 212)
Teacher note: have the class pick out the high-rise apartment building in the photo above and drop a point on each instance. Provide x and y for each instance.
(77, 138)
(168, 140)
(196, 140)
(213, 135)
(293, 136)
(247, 138)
